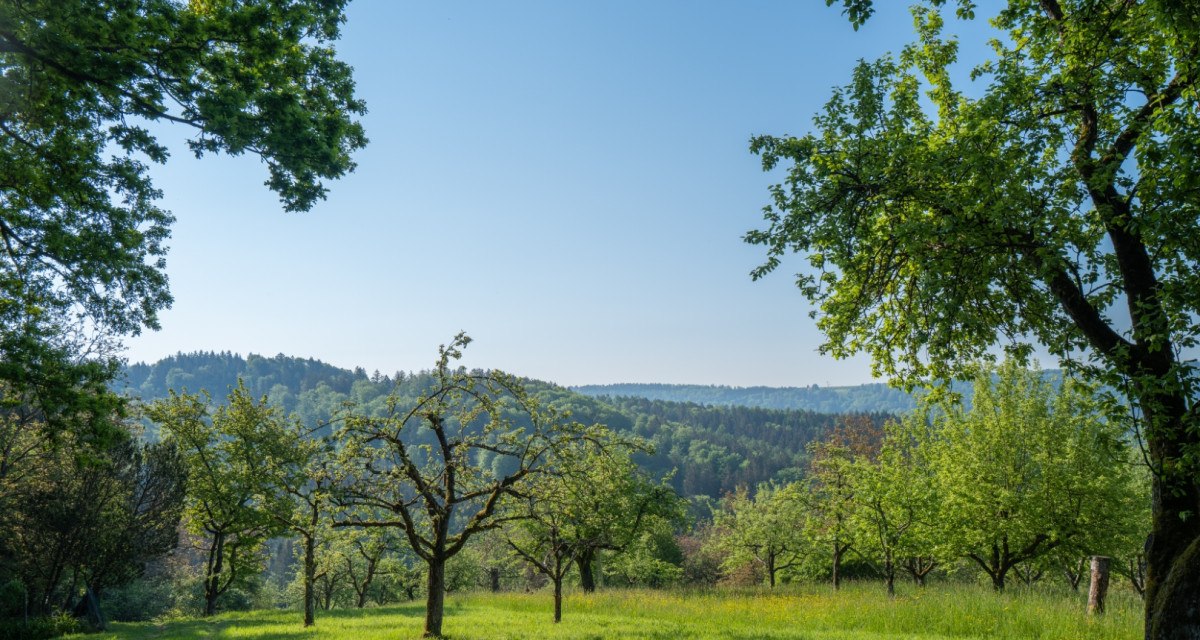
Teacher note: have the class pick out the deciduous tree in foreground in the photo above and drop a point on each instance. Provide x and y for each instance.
(442, 468)
(1055, 204)
(83, 85)
(82, 238)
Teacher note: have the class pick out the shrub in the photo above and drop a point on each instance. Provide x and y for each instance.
(38, 628)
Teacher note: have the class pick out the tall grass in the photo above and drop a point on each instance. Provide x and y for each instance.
(857, 612)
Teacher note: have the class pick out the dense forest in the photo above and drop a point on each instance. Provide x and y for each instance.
(865, 398)
(705, 450)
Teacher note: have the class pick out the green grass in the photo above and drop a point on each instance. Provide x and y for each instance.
(858, 612)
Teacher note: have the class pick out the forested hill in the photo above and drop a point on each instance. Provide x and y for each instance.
(217, 372)
(711, 449)
(865, 398)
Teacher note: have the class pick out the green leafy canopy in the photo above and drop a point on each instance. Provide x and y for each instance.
(938, 224)
(80, 83)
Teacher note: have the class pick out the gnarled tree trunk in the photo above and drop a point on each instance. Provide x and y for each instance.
(212, 579)
(1173, 565)
(435, 598)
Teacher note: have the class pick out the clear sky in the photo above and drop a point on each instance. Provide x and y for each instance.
(568, 182)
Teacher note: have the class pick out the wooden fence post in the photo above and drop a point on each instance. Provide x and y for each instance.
(1099, 586)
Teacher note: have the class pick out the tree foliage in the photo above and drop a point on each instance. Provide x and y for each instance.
(231, 506)
(83, 86)
(76, 518)
(442, 468)
(1069, 179)
(83, 80)
(898, 506)
(1027, 470)
(769, 528)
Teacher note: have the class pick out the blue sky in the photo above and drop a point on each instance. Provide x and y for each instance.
(568, 182)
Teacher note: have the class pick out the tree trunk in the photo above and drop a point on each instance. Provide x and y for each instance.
(1028, 574)
(71, 590)
(889, 574)
(997, 565)
(1073, 574)
(587, 580)
(212, 581)
(837, 566)
(495, 576)
(94, 609)
(327, 594)
(998, 580)
(310, 577)
(1099, 585)
(363, 590)
(918, 569)
(558, 598)
(435, 598)
(1173, 552)
(1173, 600)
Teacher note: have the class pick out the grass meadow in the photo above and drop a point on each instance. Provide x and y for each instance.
(857, 612)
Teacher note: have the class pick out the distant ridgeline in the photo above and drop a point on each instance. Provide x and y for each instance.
(866, 398)
(713, 446)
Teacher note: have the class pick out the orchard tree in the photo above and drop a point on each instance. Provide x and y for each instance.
(372, 562)
(1068, 176)
(231, 506)
(540, 538)
(653, 560)
(1028, 470)
(495, 559)
(1121, 536)
(897, 503)
(612, 503)
(596, 499)
(329, 578)
(422, 463)
(829, 500)
(768, 528)
(298, 473)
